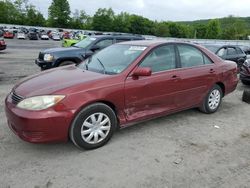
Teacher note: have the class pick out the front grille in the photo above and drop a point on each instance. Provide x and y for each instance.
(16, 98)
(41, 55)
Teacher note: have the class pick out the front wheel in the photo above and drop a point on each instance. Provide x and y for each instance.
(93, 126)
(212, 101)
(64, 63)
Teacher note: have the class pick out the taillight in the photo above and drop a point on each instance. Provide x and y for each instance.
(2, 42)
(236, 70)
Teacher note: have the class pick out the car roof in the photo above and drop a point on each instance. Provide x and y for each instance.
(117, 36)
(155, 42)
(221, 46)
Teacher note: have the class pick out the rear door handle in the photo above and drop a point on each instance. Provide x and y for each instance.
(212, 71)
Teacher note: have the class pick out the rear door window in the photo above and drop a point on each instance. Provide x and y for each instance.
(190, 56)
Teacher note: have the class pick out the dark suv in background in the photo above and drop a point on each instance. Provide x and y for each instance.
(55, 57)
(229, 52)
(33, 36)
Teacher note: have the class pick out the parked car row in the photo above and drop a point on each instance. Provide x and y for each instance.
(32, 34)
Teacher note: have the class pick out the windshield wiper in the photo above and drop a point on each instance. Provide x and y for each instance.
(87, 63)
(104, 70)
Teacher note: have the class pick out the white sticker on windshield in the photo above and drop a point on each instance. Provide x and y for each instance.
(92, 38)
(137, 48)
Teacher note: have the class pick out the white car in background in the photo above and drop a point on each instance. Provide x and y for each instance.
(44, 37)
(56, 37)
(21, 35)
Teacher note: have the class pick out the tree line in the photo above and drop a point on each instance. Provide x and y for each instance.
(60, 16)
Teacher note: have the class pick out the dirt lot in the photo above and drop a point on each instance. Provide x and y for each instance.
(187, 149)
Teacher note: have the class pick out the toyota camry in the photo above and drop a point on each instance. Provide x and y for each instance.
(121, 85)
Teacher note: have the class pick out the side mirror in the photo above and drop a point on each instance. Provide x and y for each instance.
(94, 48)
(142, 71)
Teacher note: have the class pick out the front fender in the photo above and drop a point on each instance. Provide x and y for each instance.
(76, 59)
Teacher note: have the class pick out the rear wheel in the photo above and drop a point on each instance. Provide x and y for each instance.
(212, 101)
(245, 82)
(64, 63)
(93, 126)
(246, 96)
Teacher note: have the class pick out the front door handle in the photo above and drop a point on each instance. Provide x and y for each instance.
(175, 77)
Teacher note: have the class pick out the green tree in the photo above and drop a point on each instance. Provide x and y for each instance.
(6, 7)
(103, 19)
(180, 30)
(234, 28)
(213, 29)
(21, 11)
(141, 25)
(59, 14)
(200, 31)
(80, 20)
(11, 13)
(34, 18)
(162, 29)
(121, 22)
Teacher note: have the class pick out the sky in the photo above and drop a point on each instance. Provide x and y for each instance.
(168, 10)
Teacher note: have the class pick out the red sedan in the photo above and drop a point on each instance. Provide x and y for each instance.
(121, 85)
(8, 35)
(2, 44)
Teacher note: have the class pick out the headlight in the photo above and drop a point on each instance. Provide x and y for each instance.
(247, 63)
(40, 102)
(48, 57)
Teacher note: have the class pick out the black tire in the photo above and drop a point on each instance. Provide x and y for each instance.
(83, 116)
(206, 108)
(64, 63)
(246, 96)
(245, 82)
(43, 69)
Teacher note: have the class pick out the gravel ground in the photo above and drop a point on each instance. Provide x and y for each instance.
(187, 149)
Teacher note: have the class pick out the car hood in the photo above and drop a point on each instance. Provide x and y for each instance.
(62, 50)
(51, 81)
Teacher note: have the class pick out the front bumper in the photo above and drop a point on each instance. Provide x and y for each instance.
(245, 73)
(244, 77)
(43, 64)
(38, 126)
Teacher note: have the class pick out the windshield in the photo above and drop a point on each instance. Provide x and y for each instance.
(85, 42)
(113, 59)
